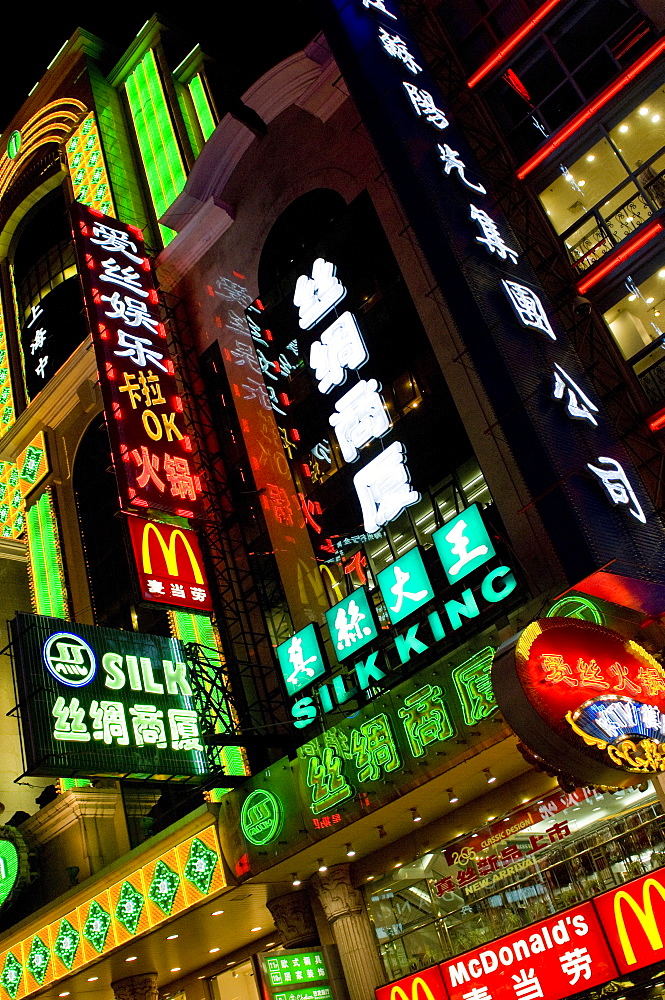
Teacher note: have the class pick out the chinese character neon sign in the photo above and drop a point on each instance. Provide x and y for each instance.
(152, 451)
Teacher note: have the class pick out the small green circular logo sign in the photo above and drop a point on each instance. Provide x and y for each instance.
(13, 863)
(13, 145)
(261, 817)
(574, 606)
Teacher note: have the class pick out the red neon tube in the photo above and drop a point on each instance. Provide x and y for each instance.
(599, 102)
(504, 50)
(619, 256)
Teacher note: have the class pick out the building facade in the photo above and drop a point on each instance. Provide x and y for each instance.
(366, 386)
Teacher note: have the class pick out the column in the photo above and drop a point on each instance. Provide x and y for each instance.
(345, 909)
(294, 919)
(143, 987)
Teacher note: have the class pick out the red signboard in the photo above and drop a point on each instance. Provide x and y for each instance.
(633, 918)
(551, 959)
(588, 701)
(425, 985)
(169, 564)
(150, 446)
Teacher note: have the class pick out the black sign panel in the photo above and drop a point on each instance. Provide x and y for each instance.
(54, 328)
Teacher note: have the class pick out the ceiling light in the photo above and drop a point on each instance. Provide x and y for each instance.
(488, 775)
(590, 158)
(655, 119)
(322, 867)
(93, 979)
(177, 969)
(350, 853)
(200, 977)
(398, 864)
(661, 273)
(452, 798)
(656, 312)
(644, 111)
(490, 818)
(631, 298)
(271, 944)
(623, 128)
(370, 878)
(65, 994)
(415, 815)
(296, 880)
(171, 937)
(132, 958)
(650, 300)
(213, 951)
(581, 183)
(217, 913)
(254, 929)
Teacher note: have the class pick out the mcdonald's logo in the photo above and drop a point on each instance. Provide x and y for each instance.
(425, 985)
(168, 549)
(634, 929)
(169, 564)
(417, 984)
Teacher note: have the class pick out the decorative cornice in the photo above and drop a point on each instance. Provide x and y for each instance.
(204, 228)
(67, 809)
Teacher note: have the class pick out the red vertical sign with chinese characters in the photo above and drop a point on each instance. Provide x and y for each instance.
(151, 450)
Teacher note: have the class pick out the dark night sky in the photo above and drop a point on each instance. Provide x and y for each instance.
(245, 36)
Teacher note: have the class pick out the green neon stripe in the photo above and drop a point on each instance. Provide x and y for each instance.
(156, 137)
(191, 627)
(45, 563)
(202, 105)
(186, 107)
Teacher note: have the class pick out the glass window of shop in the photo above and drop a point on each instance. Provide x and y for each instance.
(516, 871)
(615, 186)
(637, 322)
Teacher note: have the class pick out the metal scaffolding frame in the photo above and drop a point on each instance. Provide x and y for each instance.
(614, 379)
(253, 682)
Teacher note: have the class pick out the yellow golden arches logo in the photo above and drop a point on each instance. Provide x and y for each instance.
(644, 915)
(398, 993)
(168, 551)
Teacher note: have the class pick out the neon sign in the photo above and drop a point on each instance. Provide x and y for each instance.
(133, 709)
(152, 451)
(564, 446)
(261, 817)
(169, 564)
(383, 485)
(590, 702)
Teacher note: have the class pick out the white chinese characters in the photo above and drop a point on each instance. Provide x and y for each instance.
(316, 296)
(528, 307)
(340, 348)
(361, 417)
(615, 481)
(423, 104)
(384, 487)
(578, 404)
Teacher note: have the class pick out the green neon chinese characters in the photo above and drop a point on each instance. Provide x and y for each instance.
(351, 624)
(463, 544)
(426, 719)
(405, 586)
(301, 660)
(473, 682)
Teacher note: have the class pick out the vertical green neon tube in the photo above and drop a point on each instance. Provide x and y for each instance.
(158, 144)
(202, 106)
(46, 572)
(191, 627)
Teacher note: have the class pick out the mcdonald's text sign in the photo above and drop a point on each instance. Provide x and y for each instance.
(633, 918)
(425, 985)
(169, 564)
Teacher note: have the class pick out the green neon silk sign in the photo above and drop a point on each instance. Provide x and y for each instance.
(351, 624)
(261, 817)
(301, 660)
(463, 544)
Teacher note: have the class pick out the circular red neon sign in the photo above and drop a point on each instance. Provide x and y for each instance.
(585, 700)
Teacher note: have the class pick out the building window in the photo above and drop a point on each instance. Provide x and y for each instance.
(637, 322)
(564, 66)
(615, 186)
(477, 26)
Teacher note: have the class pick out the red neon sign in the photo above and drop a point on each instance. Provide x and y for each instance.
(551, 959)
(169, 564)
(151, 449)
(619, 256)
(511, 43)
(589, 111)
